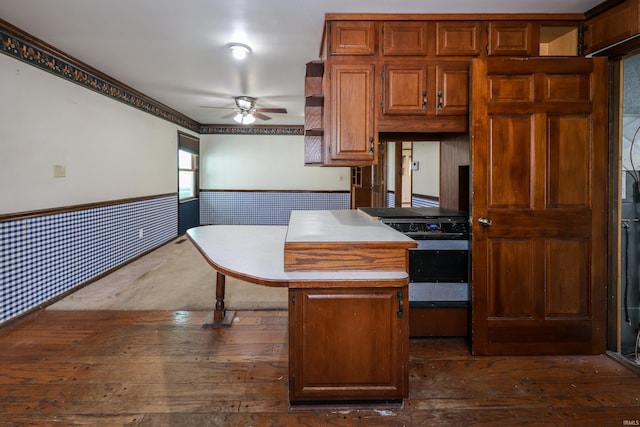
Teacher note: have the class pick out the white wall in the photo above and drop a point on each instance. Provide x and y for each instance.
(110, 151)
(264, 162)
(426, 180)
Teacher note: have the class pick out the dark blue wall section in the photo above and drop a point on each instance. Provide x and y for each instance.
(188, 215)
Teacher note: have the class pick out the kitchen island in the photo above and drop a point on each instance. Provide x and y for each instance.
(348, 298)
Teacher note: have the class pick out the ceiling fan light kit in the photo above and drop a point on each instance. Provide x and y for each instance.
(244, 118)
(239, 50)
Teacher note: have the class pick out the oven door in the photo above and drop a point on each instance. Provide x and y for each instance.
(437, 261)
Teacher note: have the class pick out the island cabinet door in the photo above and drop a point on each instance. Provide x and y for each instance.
(348, 344)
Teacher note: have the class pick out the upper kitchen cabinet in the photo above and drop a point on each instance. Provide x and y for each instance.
(406, 38)
(458, 38)
(560, 40)
(452, 89)
(515, 38)
(424, 96)
(612, 26)
(354, 38)
(352, 134)
(404, 88)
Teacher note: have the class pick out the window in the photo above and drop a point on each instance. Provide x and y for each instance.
(187, 175)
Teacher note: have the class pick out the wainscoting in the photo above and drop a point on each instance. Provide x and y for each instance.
(42, 256)
(264, 207)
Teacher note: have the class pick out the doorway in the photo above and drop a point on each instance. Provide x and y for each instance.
(629, 250)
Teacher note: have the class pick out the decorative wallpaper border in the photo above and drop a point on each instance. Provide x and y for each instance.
(45, 59)
(257, 130)
(26, 48)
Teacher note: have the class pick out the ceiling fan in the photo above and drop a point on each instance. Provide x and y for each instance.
(246, 111)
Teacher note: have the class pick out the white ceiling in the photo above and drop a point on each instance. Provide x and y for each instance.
(174, 51)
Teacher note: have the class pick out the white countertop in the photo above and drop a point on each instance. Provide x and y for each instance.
(255, 253)
(340, 226)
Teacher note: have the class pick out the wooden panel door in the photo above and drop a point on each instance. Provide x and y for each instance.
(539, 207)
(348, 343)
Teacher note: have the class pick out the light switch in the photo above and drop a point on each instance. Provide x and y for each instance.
(59, 171)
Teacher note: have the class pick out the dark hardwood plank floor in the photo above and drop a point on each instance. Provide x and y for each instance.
(160, 368)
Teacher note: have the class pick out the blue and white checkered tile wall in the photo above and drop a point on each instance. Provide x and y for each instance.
(43, 257)
(416, 201)
(264, 208)
(422, 202)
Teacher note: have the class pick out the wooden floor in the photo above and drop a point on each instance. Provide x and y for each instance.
(160, 368)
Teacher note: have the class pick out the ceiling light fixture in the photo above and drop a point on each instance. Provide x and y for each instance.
(244, 118)
(239, 50)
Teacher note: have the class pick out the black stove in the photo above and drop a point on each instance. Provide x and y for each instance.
(424, 223)
(439, 266)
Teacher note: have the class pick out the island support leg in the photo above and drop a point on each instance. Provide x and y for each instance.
(219, 318)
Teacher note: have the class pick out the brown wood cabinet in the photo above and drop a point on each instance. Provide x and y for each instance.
(512, 38)
(410, 74)
(452, 88)
(352, 135)
(348, 343)
(612, 26)
(406, 38)
(404, 88)
(352, 38)
(458, 38)
(424, 96)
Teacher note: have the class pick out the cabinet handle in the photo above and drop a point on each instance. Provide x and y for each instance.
(371, 145)
(424, 99)
(400, 312)
(439, 100)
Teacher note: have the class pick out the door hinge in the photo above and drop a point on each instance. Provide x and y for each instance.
(400, 311)
(293, 298)
(582, 47)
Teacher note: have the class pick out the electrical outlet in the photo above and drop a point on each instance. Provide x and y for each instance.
(59, 171)
(141, 233)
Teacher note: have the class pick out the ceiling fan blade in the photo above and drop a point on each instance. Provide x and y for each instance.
(222, 108)
(228, 116)
(272, 110)
(261, 116)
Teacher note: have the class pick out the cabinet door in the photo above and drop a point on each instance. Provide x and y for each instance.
(405, 38)
(512, 38)
(612, 26)
(352, 131)
(458, 38)
(352, 38)
(452, 88)
(404, 88)
(348, 344)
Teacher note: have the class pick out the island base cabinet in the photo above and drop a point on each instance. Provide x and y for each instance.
(349, 343)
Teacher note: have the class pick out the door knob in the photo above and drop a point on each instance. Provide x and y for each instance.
(485, 222)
